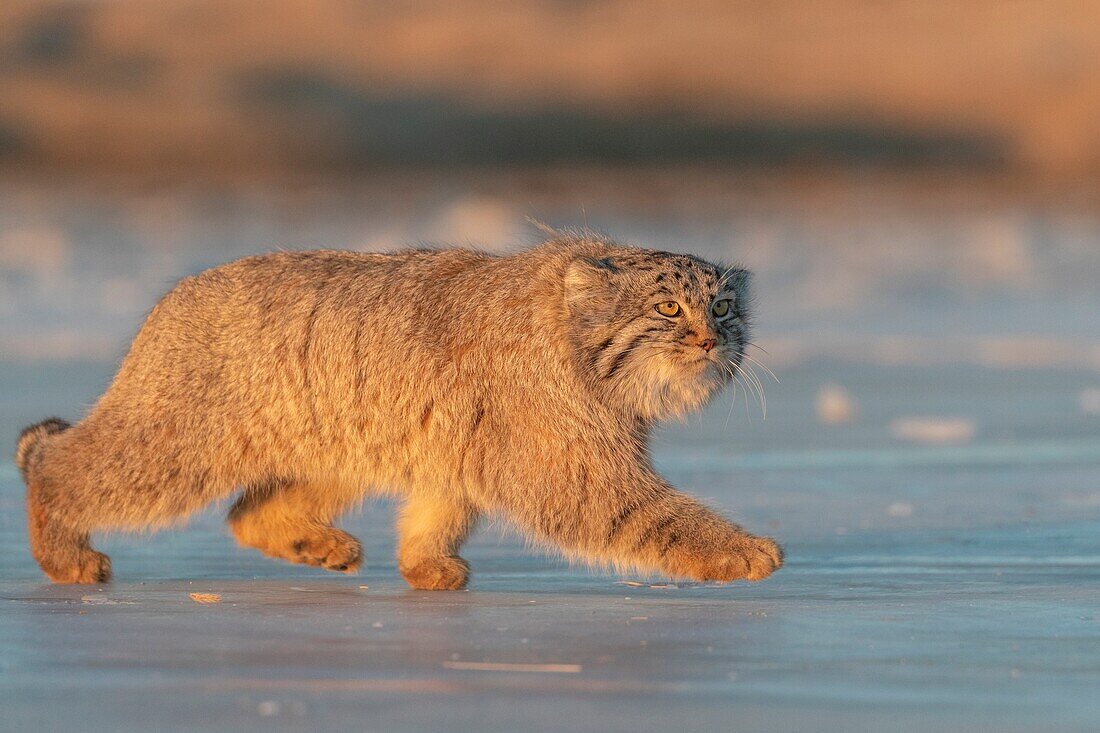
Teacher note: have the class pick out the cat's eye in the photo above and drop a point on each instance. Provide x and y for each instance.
(668, 308)
(721, 308)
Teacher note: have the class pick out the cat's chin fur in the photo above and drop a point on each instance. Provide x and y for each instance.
(681, 395)
(672, 389)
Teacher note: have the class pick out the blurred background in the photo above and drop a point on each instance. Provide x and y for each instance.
(915, 183)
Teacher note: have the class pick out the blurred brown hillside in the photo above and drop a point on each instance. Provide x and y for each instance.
(262, 85)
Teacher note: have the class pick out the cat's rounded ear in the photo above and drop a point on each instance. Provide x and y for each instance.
(585, 275)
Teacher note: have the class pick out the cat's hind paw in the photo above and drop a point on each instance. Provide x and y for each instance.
(332, 549)
(88, 566)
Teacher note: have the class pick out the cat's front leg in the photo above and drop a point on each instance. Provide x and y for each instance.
(627, 517)
(431, 528)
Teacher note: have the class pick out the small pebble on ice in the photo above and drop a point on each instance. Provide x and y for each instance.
(206, 598)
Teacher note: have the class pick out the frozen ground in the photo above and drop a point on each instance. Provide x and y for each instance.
(930, 585)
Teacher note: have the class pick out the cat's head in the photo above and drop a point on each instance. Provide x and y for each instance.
(656, 333)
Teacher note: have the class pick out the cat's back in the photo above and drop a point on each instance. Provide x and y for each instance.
(269, 305)
(317, 269)
(270, 288)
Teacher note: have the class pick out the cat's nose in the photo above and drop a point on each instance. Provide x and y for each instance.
(708, 344)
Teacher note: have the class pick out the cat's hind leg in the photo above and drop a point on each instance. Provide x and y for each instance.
(63, 552)
(430, 530)
(59, 541)
(293, 521)
(96, 476)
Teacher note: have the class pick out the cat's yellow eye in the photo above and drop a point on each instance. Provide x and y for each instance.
(669, 308)
(721, 308)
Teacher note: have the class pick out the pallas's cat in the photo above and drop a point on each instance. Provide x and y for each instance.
(462, 383)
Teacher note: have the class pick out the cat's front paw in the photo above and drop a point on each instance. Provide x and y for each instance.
(764, 557)
(436, 573)
(748, 558)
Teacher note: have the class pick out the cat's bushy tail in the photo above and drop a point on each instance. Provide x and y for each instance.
(30, 442)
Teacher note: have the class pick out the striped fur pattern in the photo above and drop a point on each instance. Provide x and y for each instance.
(466, 384)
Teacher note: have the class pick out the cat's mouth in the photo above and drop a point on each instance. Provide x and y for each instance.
(698, 356)
(718, 364)
(700, 362)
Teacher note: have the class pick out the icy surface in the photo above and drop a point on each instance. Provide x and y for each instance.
(929, 585)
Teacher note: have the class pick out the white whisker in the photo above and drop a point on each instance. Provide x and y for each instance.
(738, 378)
(733, 401)
(762, 366)
(749, 371)
(745, 389)
(750, 378)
